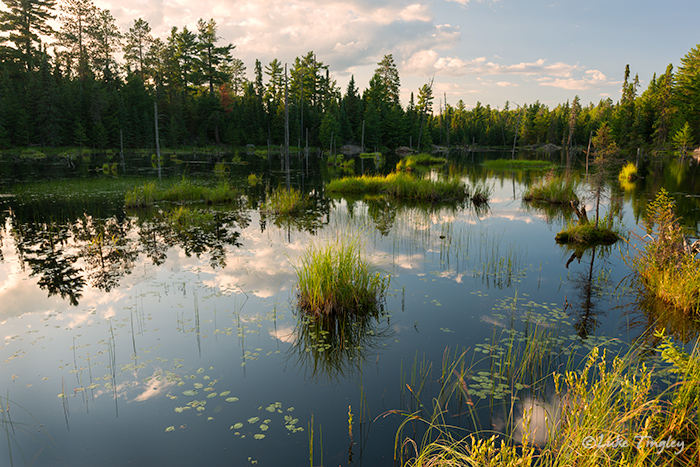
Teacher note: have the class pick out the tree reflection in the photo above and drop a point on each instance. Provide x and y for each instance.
(82, 249)
(589, 285)
(45, 249)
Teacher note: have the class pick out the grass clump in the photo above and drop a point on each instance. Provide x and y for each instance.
(502, 164)
(586, 233)
(185, 190)
(668, 267)
(335, 279)
(555, 189)
(414, 161)
(284, 201)
(628, 173)
(401, 185)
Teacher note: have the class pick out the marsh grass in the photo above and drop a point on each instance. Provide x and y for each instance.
(336, 279)
(401, 185)
(667, 266)
(183, 191)
(422, 160)
(284, 201)
(503, 164)
(606, 411)
(555, 189)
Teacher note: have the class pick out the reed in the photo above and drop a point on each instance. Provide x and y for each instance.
(607, 412)
(335, 279)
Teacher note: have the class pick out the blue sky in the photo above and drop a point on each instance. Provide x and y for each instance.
(477, 50)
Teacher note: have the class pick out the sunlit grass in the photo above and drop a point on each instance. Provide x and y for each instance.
(412, 162)
(607, 412)
(401, 185)
(667, 266)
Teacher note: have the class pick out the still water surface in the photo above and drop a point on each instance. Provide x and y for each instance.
(127, 339)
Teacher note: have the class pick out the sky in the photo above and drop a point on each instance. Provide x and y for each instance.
(488, 51)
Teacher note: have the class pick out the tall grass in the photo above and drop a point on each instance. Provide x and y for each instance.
(607, 412)
(401, 185)
(335, 279)
(556, 189)
(667, 266)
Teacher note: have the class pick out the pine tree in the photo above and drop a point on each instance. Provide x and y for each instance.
(26, 20)
(138, 46)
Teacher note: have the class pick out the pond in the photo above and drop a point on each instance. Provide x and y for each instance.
(136, 336)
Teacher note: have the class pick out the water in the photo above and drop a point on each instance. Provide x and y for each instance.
(130, 339)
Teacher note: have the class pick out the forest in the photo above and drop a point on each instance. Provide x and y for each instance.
(66, 87)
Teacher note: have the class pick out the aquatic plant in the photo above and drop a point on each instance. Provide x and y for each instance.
(556, 189)
(285, 201)
(607, 412)
(401, 185)
(413, 161)
(586, 233)
(518, 164)
(335, 279)
(184, 190)
(667, 266)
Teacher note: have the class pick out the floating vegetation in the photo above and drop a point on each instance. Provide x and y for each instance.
(415, 161)
(588, 234)
(254, 179)
(555, 189)
(401, 185)
(335, 279)
(518, 164)
(185, 190)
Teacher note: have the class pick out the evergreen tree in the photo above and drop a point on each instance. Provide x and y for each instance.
(138, 46)
(214, 60)
(25, 20)
(687, 90)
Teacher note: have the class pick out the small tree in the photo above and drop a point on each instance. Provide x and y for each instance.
(683, 139)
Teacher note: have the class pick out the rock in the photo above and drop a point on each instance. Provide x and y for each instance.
(350, 150)
(404, 151)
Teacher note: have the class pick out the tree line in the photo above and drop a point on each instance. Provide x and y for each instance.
(74, 92)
